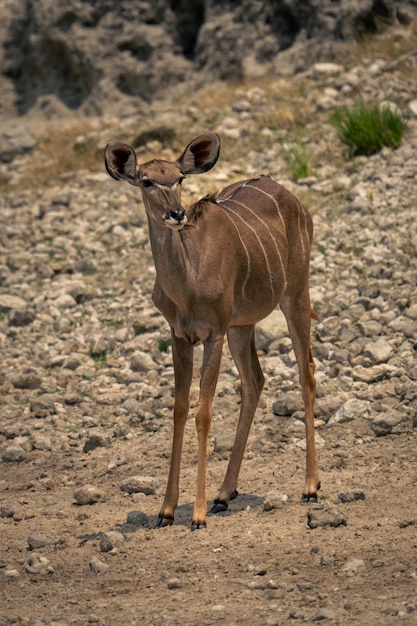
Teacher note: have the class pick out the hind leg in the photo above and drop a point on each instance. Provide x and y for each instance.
(242, 347)
(298, 315)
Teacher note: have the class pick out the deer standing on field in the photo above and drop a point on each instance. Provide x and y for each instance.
(221, 266)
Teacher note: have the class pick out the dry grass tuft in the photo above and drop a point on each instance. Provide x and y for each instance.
(63, 151)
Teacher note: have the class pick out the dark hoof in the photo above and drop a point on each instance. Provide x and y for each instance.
(310, 497)
(198, 525)
(306, 498)
(220, 506)
(164, 520)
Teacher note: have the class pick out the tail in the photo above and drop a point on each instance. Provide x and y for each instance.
(315, 316)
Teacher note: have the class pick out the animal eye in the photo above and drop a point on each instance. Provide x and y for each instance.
(146, 182)
(181, 180)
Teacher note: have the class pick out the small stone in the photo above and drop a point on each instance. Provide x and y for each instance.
(138, 498)
(351, 496)
(406, 522)
(288, 404)
(354, 567)
(271, 584)
(305, 586)
(223, 442)
(72, 398)
(375, 373)
(11, 573)
(36, 542)
(411, 370)
(132, 406)
(23, 442)
(142, 362)
(8, 302)
(15, 140)
(13, 430)
(326, 100)
(19, 318)
(321, 69)
(302, 443)
(5, 511)
(89, 494)
(65, 301)
(111, 540)
(327, 559)
(38, 564)
(274, 500)
(97, 440)
(378, 351)
(137, 518)
(369, 328)
(387, 424)
(412, 108)
(97, 566)
(324, 613)
(42, 406)
(320, 516)
(99, 346)
(256, 584)
(28, 379)
(350, 410)
(269, 329)
(174, 583)
(41, 442)
(123, 334)
(86, 266)
(116, 460)
(121, 430)
(72, 362)
(139, 484)
(13, 454)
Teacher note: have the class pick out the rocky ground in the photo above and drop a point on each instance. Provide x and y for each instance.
(86, 390)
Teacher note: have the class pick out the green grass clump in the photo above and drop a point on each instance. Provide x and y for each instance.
(164, 345)
(298, 159)
(367, 128)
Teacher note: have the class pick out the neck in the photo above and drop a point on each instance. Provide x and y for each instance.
(171, 253)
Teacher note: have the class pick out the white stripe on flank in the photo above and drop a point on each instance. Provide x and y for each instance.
(274, 202)
(302, 210)
(246, 251)
(220, 199)
(271, 284)
(267, 228)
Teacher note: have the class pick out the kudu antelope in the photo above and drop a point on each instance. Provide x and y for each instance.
(221, 266)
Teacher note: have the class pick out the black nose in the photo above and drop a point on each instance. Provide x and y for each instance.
(177, 214)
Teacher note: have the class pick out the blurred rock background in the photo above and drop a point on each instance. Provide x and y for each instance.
(96, 57)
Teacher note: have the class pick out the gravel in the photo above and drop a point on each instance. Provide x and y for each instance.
(86, 372)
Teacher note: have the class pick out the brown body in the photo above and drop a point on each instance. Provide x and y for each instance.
(220, 268)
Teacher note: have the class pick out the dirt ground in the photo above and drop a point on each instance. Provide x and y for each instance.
(249, 567)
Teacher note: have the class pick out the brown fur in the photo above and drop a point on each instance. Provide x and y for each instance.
(246, 251)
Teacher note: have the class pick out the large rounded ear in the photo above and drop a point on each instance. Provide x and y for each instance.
(120, 160)
(200, 155)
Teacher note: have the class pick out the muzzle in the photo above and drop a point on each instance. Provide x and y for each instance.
(175, 219)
